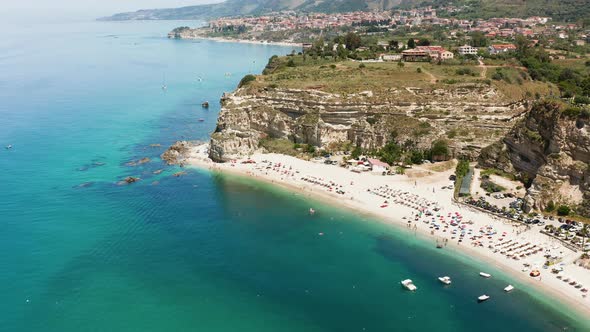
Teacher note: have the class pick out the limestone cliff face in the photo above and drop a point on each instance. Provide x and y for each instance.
(185, 33)
(549, 149)
(324, 119)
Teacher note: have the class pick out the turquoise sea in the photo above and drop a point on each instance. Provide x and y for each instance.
(202, 252)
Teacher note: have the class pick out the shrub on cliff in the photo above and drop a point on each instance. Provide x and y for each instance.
(572, 112)
(550, 207)
(440, 150)
(246, 80)
(563, 210)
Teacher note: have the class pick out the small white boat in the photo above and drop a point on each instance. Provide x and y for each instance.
(508, 288)
(445, 280)
(483, 298)
(409, 285)
(485, 275)
(9, 146)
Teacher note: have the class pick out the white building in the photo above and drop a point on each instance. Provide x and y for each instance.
(377, 166)
(467, 50)
(501, 48)
(391, 57)
(446, 55)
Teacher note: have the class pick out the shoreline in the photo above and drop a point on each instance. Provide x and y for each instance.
(548, 286)
(245, 41)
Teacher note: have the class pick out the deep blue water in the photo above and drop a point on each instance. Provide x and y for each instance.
(203, 252)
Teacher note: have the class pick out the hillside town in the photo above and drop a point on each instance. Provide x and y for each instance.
(391, 21)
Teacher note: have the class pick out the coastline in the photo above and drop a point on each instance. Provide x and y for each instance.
(549, 286)
(244, 41)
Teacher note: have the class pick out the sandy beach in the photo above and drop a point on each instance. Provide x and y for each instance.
(247, 41)
(416, 201)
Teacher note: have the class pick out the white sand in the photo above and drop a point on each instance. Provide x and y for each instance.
(248, 41)
(401, 208)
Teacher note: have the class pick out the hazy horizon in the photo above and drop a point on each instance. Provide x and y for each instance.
(84, 9)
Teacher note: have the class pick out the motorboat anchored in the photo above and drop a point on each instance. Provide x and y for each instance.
(445, 280)
(485, 275)
(508, 288)
(483, 298)
(409, 285)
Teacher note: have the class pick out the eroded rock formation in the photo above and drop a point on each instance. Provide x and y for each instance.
(550, 150)
(471, 116)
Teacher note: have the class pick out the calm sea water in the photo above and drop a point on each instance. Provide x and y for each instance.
(202, 252)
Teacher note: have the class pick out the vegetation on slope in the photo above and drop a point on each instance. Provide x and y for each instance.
(559, 10)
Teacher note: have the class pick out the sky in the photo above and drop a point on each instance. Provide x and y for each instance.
(84, 8)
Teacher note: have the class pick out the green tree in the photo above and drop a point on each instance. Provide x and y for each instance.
(393, 44)
(416, 156)
(423, 42)
(352, 41)
(356, 152)
(478, 39)
(462, 168)
(411, 43)
(341, 52)
(439, 35)
(246, 80)
(400, 65)
(440, 149)
(563, 210)
(318, 46)
(522, 46)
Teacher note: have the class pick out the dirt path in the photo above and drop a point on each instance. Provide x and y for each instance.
(433, 78)
(484, 68)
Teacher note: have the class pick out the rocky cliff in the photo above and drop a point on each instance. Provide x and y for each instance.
(468, 115)
(550, 149)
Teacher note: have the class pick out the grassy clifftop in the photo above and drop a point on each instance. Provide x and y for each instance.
(382, 78)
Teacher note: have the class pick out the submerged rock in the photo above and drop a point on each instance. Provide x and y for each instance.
(128, 180)
(139, 162)
(131, 179)
(84, 185)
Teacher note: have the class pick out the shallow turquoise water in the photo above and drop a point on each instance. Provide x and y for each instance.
(202, 252)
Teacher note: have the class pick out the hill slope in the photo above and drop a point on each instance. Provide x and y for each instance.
(251, 7)
(560, 10)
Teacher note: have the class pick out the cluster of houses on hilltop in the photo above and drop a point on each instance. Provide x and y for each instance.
(289, 20)
(427, 53)
(438, 53)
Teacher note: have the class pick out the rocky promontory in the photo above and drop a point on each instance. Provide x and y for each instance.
(549, 149)
(327, 120)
